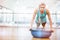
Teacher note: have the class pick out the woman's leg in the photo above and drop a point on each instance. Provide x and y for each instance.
(43, 24)
(38, 24)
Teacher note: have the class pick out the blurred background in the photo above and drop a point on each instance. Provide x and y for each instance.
(19, 12)
(15, 15)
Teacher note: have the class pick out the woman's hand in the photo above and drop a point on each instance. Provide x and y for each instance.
(51, 29)
(31, 26)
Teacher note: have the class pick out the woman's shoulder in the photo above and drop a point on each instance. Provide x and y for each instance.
(36, 10)
(47, 11)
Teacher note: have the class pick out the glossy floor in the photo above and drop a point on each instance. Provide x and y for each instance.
(9, 33)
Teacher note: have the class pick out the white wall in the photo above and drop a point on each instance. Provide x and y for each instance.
(25, 6)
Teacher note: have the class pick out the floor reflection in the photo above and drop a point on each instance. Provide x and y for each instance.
(40, 39)
(24, 34)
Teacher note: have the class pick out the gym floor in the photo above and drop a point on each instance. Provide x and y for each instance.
(20, 33)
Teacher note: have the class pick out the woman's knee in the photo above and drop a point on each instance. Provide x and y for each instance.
(38, 24)
(43, 24)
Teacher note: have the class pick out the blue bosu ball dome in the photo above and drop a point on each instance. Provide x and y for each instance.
(37, 33)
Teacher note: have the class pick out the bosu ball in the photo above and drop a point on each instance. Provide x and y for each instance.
(40, 33)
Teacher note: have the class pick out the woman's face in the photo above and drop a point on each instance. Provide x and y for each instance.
(42, 7)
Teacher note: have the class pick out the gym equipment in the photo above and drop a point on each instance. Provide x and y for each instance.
(40, 33)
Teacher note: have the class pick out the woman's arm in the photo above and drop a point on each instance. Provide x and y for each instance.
(49, 17)
(34, 14)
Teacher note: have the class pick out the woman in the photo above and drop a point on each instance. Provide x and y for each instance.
(41, 16)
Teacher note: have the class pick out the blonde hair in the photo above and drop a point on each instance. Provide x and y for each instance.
(42, 4)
